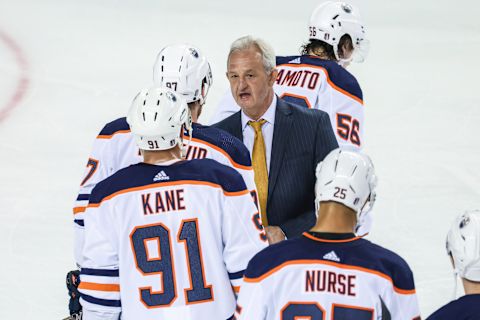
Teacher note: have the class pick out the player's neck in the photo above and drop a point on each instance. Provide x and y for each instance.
(471, 287)
(335, 218)
(162, 156)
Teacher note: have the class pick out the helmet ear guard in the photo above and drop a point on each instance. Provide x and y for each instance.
(463, 245)
(157, 118)
(348, 178)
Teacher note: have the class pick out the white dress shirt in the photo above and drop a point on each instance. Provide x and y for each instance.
(267, 130)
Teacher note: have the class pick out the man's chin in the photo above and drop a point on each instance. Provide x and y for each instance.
(244, 104)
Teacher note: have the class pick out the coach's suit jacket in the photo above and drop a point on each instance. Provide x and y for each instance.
(301, 139)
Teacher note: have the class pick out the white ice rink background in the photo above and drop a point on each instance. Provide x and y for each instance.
(68, 67)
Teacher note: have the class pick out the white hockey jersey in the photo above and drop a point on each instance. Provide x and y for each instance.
(115, 148)
(168, 242)
(316, 277)
(311, 82)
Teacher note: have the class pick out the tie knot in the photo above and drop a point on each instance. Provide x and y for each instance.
(257, 125)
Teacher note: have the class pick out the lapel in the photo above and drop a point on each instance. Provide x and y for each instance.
(281, 130)
(236, 125)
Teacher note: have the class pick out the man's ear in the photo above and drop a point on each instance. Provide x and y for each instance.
(273, 76)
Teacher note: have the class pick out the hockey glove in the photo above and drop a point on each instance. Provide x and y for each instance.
(74, 306)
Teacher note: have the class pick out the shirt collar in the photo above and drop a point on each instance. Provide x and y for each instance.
(269, 115)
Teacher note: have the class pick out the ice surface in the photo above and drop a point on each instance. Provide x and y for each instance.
(85, 60)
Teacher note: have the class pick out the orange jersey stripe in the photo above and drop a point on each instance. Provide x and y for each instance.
(287, 94)
(173, 183)
(99, 286)
(334, 86)
(330, 263)
(79, 210)
(110, 136)
(306, 234)
(236, 165)
(236, 289)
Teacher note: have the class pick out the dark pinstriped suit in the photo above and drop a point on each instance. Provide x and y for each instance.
(301, 139)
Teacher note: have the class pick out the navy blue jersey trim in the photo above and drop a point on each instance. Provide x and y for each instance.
(236, 275)
(235, 148)
(99, 272)
(336, 73)
(114, 126)
(83, 197)
(102, 302)
(465, 307)
(143, 175)
(80, 222)
(356, 253)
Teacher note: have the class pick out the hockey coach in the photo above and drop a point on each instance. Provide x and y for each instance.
(286, 142)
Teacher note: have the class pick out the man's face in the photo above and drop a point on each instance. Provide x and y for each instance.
(251, 86)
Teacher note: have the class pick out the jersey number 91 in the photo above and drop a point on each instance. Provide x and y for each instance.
(163, 265)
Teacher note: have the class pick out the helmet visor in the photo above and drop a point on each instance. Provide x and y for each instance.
(362, 47)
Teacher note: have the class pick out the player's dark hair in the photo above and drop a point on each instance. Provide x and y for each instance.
(317, 47)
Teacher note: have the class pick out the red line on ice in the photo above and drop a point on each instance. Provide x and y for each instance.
(23, 81)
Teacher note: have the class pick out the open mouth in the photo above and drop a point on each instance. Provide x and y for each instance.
(244, 96)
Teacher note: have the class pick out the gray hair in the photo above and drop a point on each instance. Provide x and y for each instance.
(266, 50)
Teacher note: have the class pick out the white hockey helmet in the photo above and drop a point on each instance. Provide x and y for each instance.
(463, 244)
(184, 69)
(157, 118)
(331, 20)
(349, 178)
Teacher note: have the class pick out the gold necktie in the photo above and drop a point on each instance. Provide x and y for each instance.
(259, 162)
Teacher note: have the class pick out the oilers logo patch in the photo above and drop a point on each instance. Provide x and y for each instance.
(347, 8)
(171, 96)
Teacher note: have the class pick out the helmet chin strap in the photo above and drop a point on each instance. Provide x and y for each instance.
(188, 127)
(185, 146)
(455, 284)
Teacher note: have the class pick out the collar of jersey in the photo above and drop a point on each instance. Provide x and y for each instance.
(331, 237)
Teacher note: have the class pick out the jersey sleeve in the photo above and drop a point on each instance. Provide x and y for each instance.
(99, 276)
(225, 108)
(99, 166)
(402, 306)
(249, 178)
(243, 235)
(251, 302)
(401, 302)
(346, 112)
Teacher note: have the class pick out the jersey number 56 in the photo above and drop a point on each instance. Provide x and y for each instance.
(348, 128)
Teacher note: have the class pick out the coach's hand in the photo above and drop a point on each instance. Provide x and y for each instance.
(274, 234)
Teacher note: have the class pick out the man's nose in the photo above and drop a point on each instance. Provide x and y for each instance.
(242, 83)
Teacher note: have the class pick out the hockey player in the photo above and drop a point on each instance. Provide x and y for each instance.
(463, 247)
(184, 69)
(316, 78)
(329, 273)
(166, 238)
